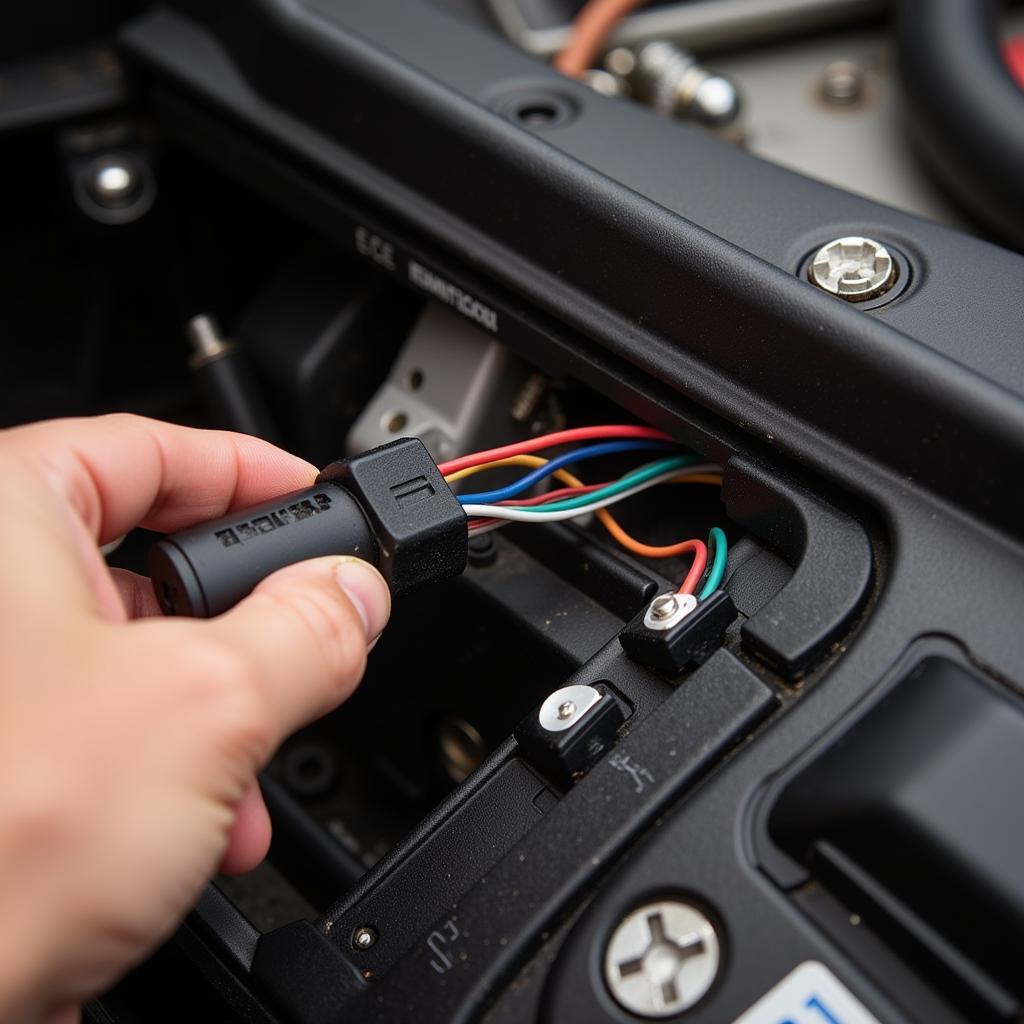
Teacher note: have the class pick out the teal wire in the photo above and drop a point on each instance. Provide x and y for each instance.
(720, 547)
(638, 476)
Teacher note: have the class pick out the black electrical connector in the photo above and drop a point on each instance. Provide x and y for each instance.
(683, 637)
(571, 731)
(389, 506)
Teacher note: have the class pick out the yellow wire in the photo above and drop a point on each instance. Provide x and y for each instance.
(611, 524)
(533, 461)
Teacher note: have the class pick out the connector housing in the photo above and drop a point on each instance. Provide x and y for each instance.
(389, 506)
(421, 531)
(693, 638)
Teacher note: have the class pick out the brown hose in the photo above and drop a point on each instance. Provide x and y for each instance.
(590, 31)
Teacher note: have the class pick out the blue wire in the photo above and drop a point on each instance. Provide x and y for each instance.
(716, 538)
(593, 451)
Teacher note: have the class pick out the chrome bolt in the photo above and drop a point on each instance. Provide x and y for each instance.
(667, 609)
(670, 79)
(842, 82)
(364, 937)
(114, 182)
(565, 707)
(114, 187)
(661, 959)
(853, 268)
(206, 340)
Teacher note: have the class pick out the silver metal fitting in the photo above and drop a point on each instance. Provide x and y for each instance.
(668, 609)
(565, 707)
(206, 340)
(662, 959)
(114, 183)
(605, 82)
(620, 62)
(842, 83)
(364, 938)
(853, 268)
(670, 80)
(115, 188)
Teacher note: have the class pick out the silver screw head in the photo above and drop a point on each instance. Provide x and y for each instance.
(664, 607)
(364, 938)
(842, 82)
(604, 82)
(562, 709)
(668, 609)
(114, 181)
(853, 268)
(662, 959)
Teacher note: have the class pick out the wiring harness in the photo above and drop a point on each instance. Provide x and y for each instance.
(394, 507)
(493, 509)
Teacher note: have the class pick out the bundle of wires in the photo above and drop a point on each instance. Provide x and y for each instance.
(490, 510)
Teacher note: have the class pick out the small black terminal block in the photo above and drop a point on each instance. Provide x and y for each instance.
(389, 506)
(676, 630)
(570, 731)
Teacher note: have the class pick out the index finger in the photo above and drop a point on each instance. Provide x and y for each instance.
(122, 471)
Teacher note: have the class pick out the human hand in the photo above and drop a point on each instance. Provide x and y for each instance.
(129, 745)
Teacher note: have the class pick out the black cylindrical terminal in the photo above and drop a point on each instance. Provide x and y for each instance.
(389, 506)
(206, 570)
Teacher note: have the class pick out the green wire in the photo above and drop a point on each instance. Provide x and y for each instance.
(716, 538)
(720, 547)
(638, 476)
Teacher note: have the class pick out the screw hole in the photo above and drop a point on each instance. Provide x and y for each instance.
(539, 114)
(415, 380)
(393, 422)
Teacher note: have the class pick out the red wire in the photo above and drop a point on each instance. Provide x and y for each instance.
(478, 524)
(700, 561)
(550, 441)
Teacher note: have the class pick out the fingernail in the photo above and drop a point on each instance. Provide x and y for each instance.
(368, 592)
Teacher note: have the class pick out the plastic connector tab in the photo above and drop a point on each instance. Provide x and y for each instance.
(389, 506)
(571, 731)
(694, 638)
(421, 531)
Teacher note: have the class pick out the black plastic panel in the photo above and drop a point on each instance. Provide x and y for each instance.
(915, 817)
(690, 277)
(828, 551)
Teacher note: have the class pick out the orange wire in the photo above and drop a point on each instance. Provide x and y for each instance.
(610, 523)
(647, 550)
(590, 31)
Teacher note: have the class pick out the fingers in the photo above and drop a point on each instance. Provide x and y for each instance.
(121, 471)
(249, 838)
(136, 593)
(303, 634)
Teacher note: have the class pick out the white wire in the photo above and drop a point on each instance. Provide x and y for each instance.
(522, 515)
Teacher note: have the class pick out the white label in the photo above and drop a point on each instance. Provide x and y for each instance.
(810, 994)
(451, 295)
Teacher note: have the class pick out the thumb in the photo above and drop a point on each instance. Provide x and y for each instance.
(303, 634)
